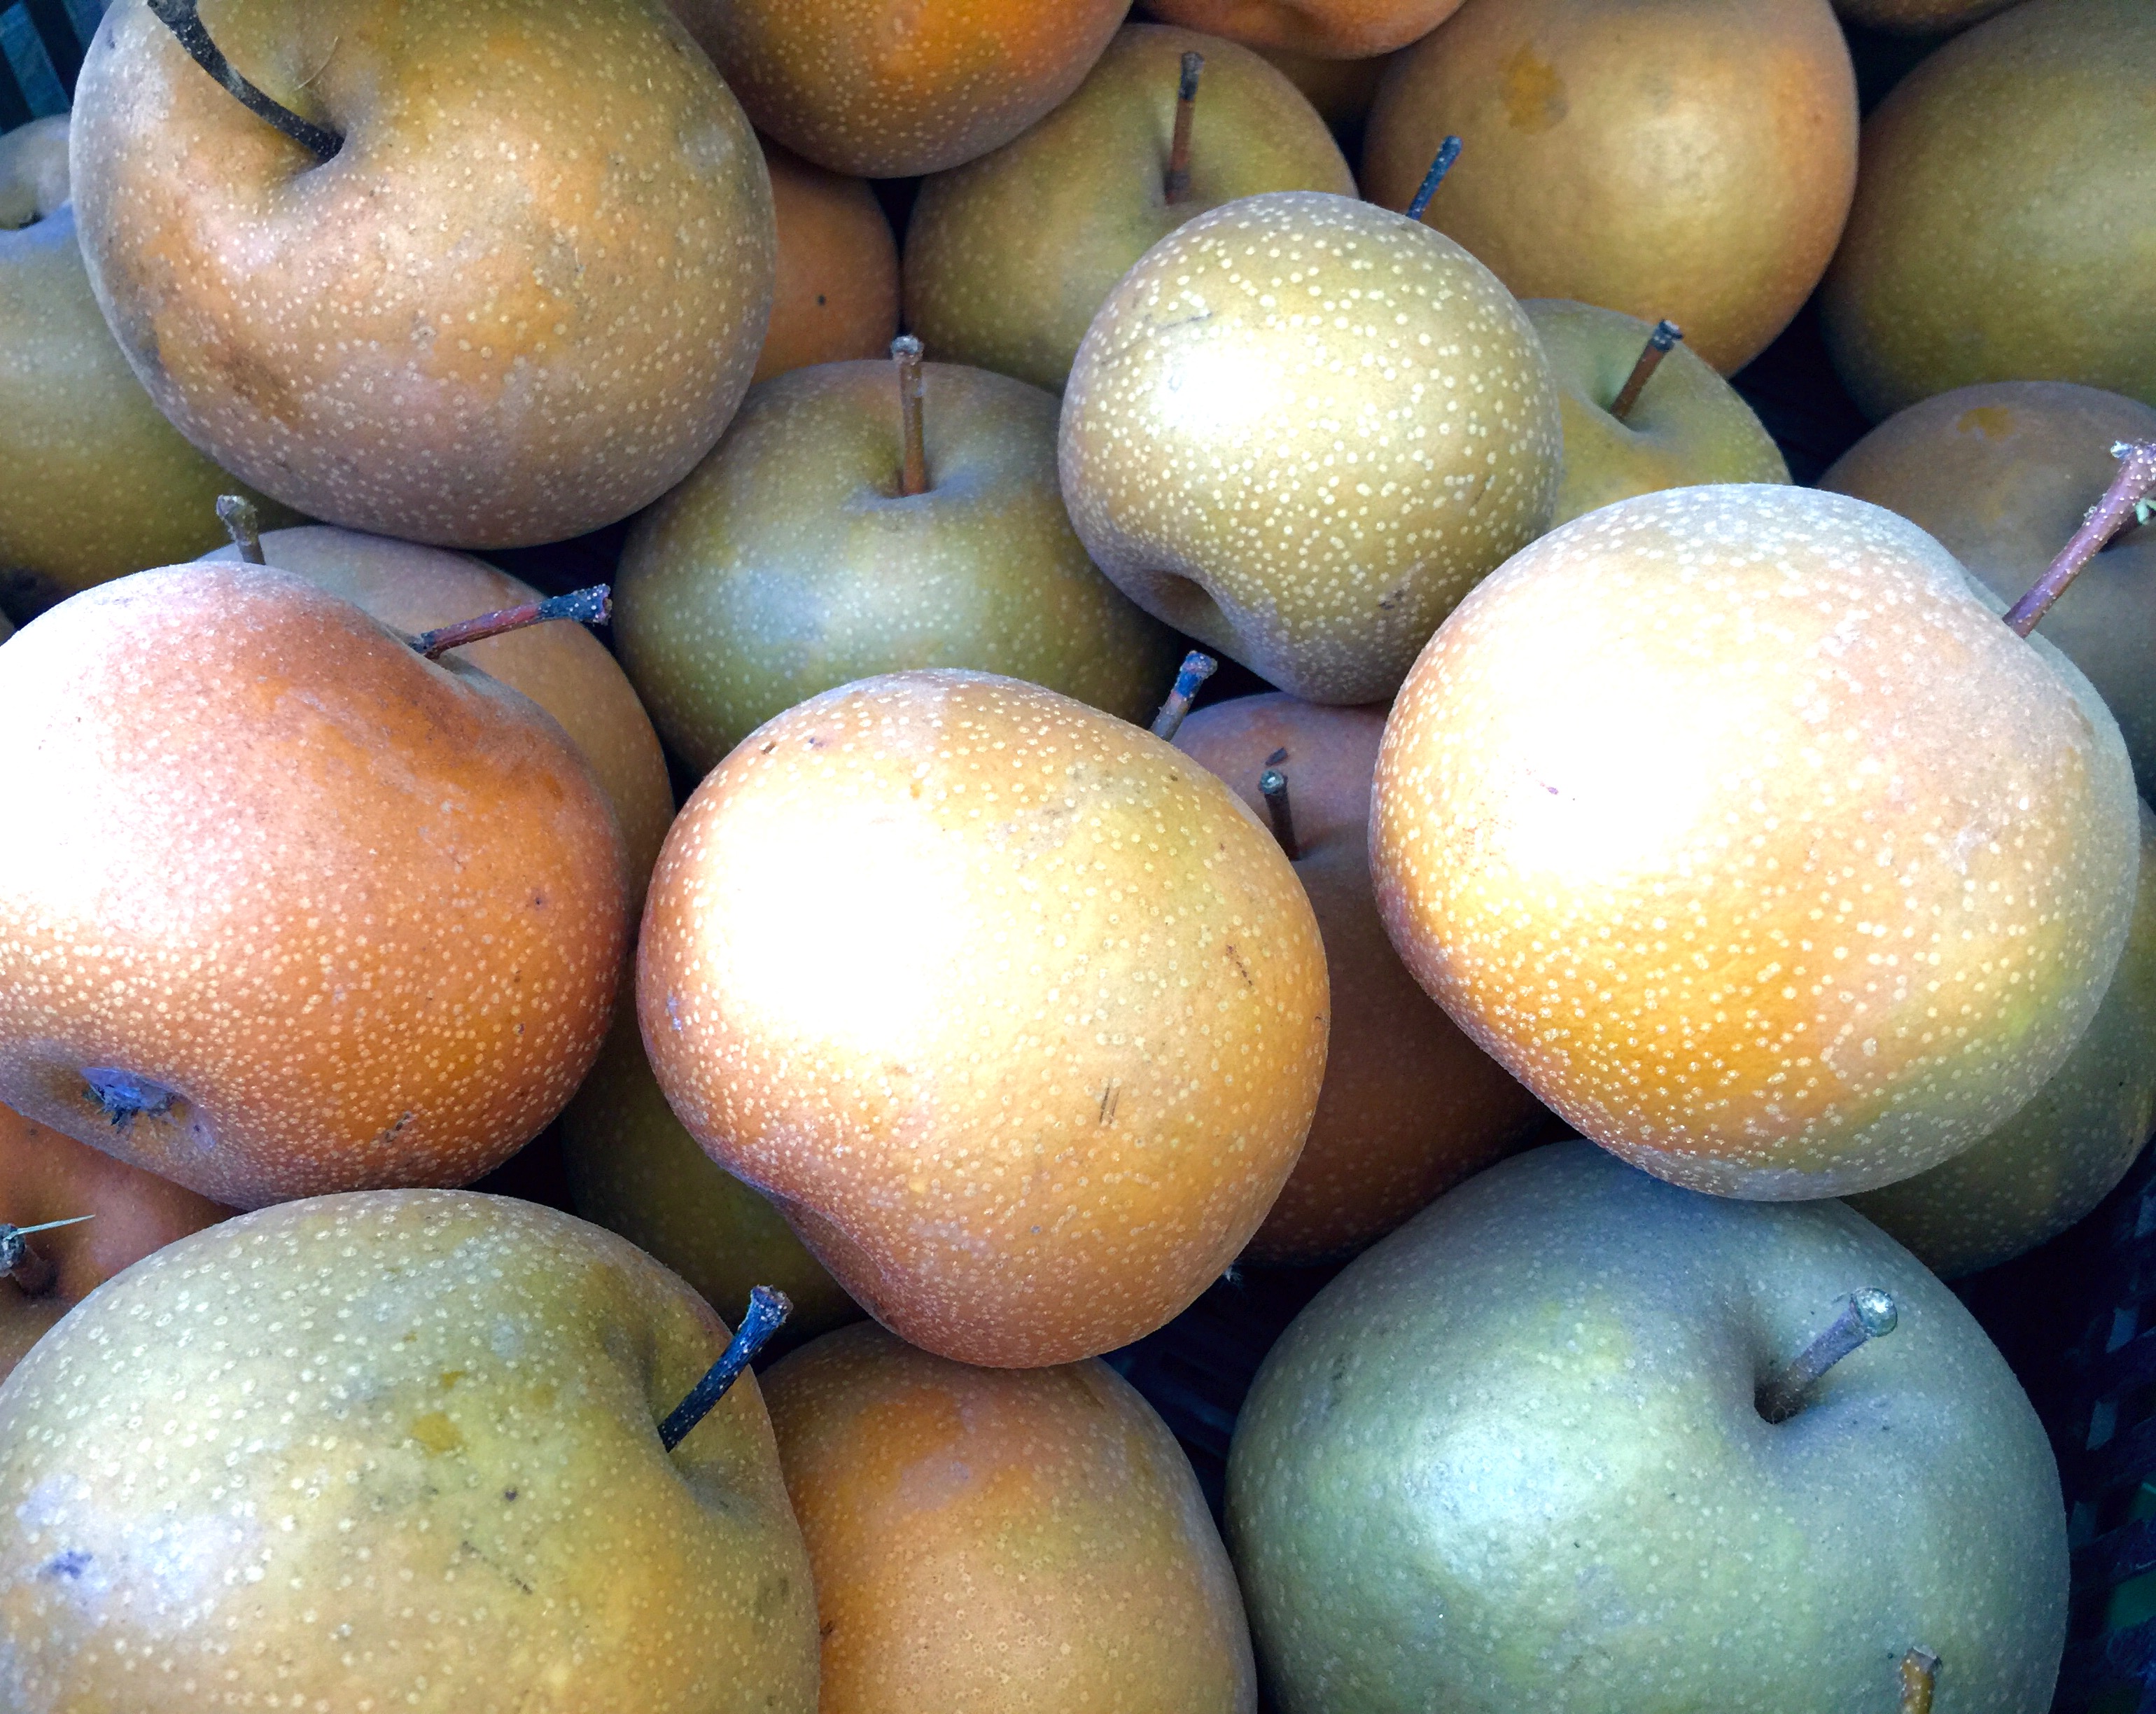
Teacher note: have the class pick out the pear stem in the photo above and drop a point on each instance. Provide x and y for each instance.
(182, 20)
(768, 1307)
(591, 606)
(2135, 481)
(1666, 335)
(1920, 1668)
(913, 471)
(1272, 787)
(1448, 152)
(1177, 185)
(1197, 667)
(1867, 1316)
(243, 524)
(29, 1270)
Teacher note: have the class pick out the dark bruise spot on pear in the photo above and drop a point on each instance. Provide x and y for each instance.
(123, 1097)
(71, 1565)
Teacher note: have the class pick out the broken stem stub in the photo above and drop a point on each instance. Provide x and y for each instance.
(1272, 787)
(1177, 183)
(1448, 152)
(1867, 1316)
(1920, 1677)
(2135, 482)
(768, 1308)
(1666, 334)
(913, 464)
(32, 1273)
(243, 524)
(1197, 667)
(591, 606)
(184, 21)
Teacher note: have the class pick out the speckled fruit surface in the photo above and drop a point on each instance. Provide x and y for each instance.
(1008, 257)
(2003, 211)
(98, 484)
(1329, 29)
(1735, 823)
(987, 1539)
(2059, 1156)
(401, 339)
(367, 920)
(791, 561)
(403, 1454)
(1919, 18)
(1688, 425)
(561, 666)
(1687, 158)
(1016, 1010)
(864, 86)
(1410, 1105)
(1300, 428)
(836, 295)
(1510, 1459)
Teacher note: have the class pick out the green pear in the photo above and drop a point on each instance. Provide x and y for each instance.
(1686, 425)
(791, 561)
(1008, 257)
(2003, 474)
(1300, 428)
(96, 484)
(2061, 1154)
(2004, 213)
(394, 1449)
(635, 1170)
(1518, 1457)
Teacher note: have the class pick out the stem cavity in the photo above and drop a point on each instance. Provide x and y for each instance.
(1197, 667)
(243, 524)
(1666, 335)
(2121, 504)
(1177, 183)
(1272, 787)
(591, 606)
(767, 1309)
(1448, 152)
(1920, 1670)
(1867, 1316)
(184, 21)
(913, 469)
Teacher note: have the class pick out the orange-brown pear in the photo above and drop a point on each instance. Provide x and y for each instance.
(1687, 158)
(305, 911)
(1015, 1009)
(1738, 826)
(985, 1540)
(563, 668)
(1410, 1105)
(1325, 29)
(518, 301)
(837, 291)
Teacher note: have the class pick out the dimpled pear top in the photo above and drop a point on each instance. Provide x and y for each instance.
(1300, 428)
(1735, 823)
(1016, 1010)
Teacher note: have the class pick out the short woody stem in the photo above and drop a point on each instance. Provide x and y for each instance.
(182, 20)
(2135, 481)
(243, 524)
(913, 468)
(1272, 787)
(1448, 152)
(591, 606)
(767, 1309)
(1197, 667)
(1920, 1674)
(30, 1271)
(1867, 1316)
(1666, 335)
(1178, 184)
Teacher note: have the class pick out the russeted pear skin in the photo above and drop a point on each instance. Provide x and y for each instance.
(991, 1539)
(2061, 1154)
(520, 302)
(1737, 826)
(394, 1449)
(319, 915)
(1015, 1010)
(1300, 428)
